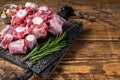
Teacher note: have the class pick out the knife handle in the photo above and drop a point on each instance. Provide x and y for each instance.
(25, 75)
(66, 11)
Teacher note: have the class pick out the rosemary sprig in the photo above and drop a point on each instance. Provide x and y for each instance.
(49, 47)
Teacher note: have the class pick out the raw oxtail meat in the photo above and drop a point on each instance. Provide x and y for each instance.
(29, 23)
(6, 40)
(30, 40)
(56, 23)
(20, 14)
(7, 29)
(18, 47)
(19, 32)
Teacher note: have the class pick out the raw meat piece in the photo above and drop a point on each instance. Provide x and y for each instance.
(6, 40)
(7, 29)
(29, 4)
(37, 26)
(30, 40)
(30, 10)
(55, 24)
(19, 32)
(20, 14)
(28, 21)
(18, 47)
(39, 33)
(44, 10)
(34, 21)
(18, 18)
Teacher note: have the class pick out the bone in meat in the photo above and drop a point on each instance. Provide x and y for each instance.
(18, 47)
(30, 40)
(6, 40)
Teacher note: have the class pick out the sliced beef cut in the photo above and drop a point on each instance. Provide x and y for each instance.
(18, 47)
(28, 21)
(6, 40)
(5, 30)
(55, 24)
(30, 41)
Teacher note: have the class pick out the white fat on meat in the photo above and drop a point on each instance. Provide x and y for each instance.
(29, 4)
(37, 20)
(6, 40)
(30, 40)
(18, 47)
(21, 13)
(19, 32)
(7, 29)
(20, 29)
(39, 33)
(44, 8)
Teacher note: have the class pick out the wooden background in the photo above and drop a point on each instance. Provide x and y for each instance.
(96, 53)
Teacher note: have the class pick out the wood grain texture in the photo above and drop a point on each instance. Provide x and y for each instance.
(96, 53)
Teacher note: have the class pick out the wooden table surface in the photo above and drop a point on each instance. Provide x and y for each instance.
(96, 53)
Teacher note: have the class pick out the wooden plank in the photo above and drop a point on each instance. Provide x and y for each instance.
(95, 54)
(82, 71)
(97, 3)
(96, 47)
(96, 31)
(7, 69)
